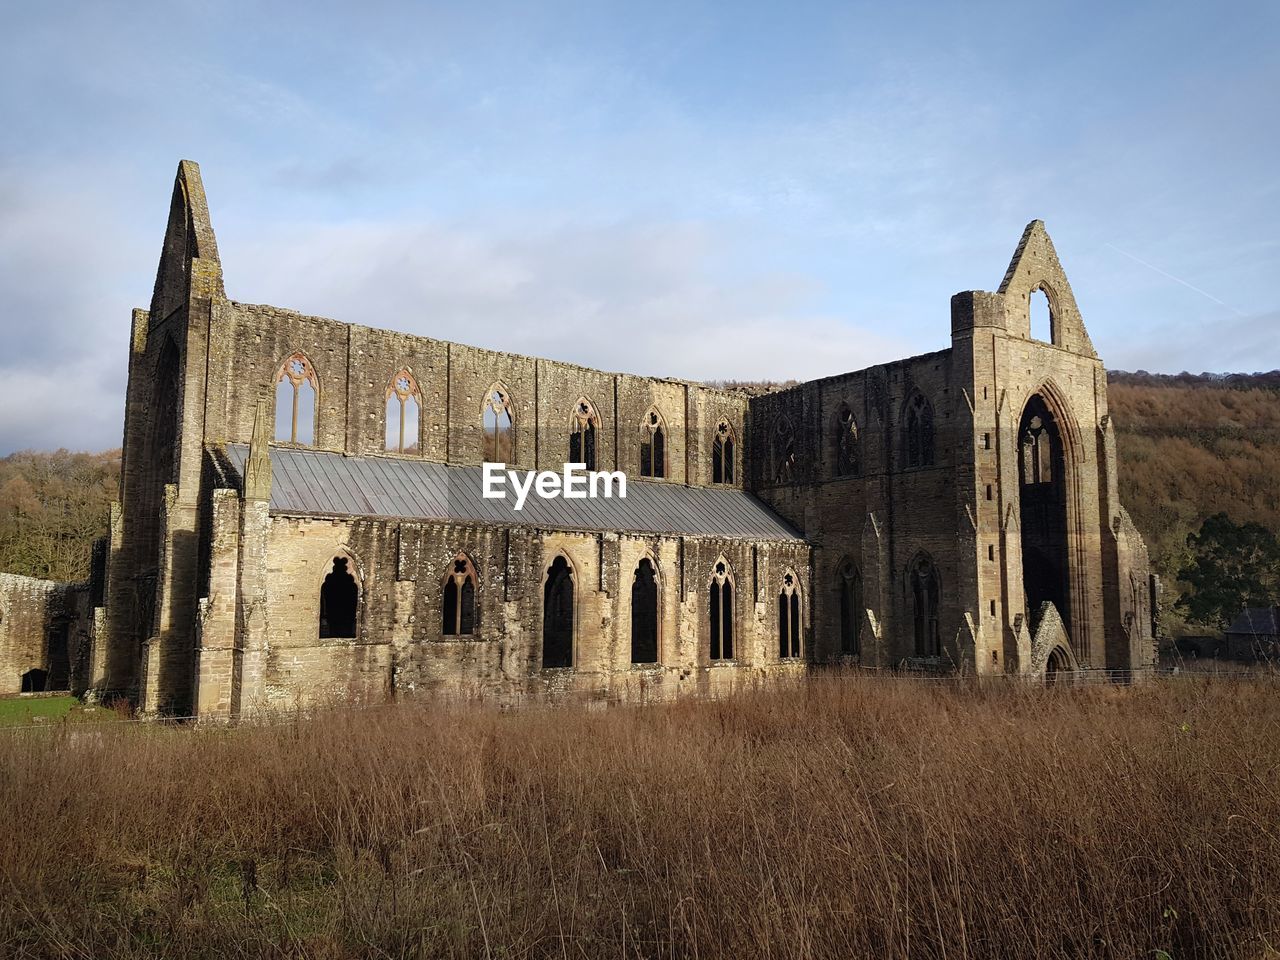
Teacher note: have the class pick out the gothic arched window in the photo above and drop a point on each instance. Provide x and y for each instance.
(296, 391)
(849, 584)
(720, 607)
(653, 445)
(644, 613)
(1037, 451)
(459, 600)
(789, 629)
(847, 454)
(583, 427)
(499, 426)
(557, 615)
(722, 454)
(403, 406)
(919, 433)
(924, 608)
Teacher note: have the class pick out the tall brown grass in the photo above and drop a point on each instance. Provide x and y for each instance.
(841, 817)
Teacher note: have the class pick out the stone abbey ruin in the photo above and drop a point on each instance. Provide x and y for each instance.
(300, 516)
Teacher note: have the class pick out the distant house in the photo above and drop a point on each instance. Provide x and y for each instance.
(1255, 634)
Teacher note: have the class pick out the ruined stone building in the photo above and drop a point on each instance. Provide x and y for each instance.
(301, 518)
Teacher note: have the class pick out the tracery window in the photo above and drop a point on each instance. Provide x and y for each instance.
(1037, 452)
(296, 391)
(720, 607)
(403, 407)
(653, 445)
(919, 434)
(583, 427)
(722, 452)
(458, 603)
(789, 617)
(847, 454)
(499, 426)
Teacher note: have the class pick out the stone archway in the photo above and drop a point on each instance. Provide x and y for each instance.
(1056, 664)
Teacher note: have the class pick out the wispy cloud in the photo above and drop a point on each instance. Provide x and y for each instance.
(705, 191)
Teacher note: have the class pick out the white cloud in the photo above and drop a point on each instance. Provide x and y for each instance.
(650, 299)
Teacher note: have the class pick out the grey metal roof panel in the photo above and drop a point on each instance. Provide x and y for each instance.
(331, 484)
(1256, 621)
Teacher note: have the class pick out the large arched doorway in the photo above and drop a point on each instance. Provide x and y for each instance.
(1042, 494)
(1057, 666)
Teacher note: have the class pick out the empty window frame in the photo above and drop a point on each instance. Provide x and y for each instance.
(720, 612)
(403, 409)
(653, 445)
(584, 427)
(297, 390)
(458, 602)
(789, 624)
(498, 423)
(722, 453)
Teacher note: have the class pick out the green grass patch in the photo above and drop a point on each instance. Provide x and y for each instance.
(23, 711)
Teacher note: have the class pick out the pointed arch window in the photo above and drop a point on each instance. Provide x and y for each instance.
(919, 433)
(849, 585)
(784, 450)
(1037, 451)
(924, 608)
(653, 445)
(720, 607)
(339, 601)
(722, 453)
(789, 628)
(499, 426)
(584, 426)
(458, 603)
(557, 615)
(1040, 321)
(404, 404)
(296, 391)
(848, 456)
(644, 613)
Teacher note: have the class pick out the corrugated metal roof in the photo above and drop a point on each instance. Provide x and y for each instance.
(330, 484)
(1256, 622)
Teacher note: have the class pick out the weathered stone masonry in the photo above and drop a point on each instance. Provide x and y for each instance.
(957, 508)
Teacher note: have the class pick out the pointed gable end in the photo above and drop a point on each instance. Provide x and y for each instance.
(189, 265)
(1035, 267)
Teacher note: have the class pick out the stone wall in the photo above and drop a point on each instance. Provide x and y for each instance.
(45, 635)
(400, 645)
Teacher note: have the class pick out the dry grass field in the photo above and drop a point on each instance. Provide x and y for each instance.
(843, 817)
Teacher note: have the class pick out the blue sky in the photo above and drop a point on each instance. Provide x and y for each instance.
(709, 191)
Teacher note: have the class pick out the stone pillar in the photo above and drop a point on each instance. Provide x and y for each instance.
(251, 594)
(215, 659)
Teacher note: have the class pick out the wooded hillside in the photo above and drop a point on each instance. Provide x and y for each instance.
(1192, 446)
(52, 507)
